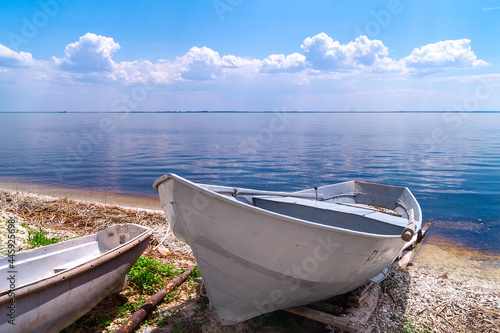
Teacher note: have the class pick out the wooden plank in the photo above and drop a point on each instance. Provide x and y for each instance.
(363, 313)
(423, 232)
(356, 322)
(355, 302)
(327, 307)
(358, 296)
(361, 290)
(405, 258)
(344, 323)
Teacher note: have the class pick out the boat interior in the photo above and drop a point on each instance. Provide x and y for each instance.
(357, 218)
(43, 262)
(357, 206)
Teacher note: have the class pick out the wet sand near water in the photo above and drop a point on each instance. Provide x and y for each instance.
(447, 256)
(125, 200)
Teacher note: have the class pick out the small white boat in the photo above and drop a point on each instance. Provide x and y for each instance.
(48, 288)
(260, 251)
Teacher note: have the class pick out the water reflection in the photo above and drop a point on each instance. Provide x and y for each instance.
(453, 168)
(463, 250)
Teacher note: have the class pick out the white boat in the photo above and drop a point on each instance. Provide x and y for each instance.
(48, 288)
(260, 251)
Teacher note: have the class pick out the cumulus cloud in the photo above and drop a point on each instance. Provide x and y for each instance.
(201, 64)
(144, 71)
(11, 59)
(90, 54)
(231, 61)
(206, 64)
(327, 55)
(442, 56)
(324, 66)
(279, 63)
(324, 53)
(90, 60)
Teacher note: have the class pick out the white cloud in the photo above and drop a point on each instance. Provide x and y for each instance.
(442, 56)
(200, 64)
(11, 59)
(91, 54)
(231, 61)
(206, 64)
(143, 71)
(90, 60)
(366, 52)
(326, 54)
(324, 64)
(279, 63)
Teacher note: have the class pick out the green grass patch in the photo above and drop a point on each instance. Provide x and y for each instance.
(39, 238)
(409, 326)
(148, 274)
(127, 307)
(196, 273)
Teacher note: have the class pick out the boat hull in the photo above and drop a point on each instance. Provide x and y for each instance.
(56, 301)
(254, 261)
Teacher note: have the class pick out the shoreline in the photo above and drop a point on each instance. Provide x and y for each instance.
(440, 251)
(85, 195)
(412, 297)
(439, 235)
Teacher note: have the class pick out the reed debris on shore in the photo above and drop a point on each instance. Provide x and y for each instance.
(83, 218)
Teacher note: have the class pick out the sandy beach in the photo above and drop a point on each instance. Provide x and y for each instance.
(440, 291)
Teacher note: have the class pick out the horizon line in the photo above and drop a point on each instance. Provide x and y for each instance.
(220, 111)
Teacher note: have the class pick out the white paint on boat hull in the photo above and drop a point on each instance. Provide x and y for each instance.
(255, 261)
(48, 299)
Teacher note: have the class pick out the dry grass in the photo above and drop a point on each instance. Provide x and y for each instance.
(421, 300)
(83, 218)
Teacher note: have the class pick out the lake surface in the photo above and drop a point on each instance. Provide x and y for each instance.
(450, 161)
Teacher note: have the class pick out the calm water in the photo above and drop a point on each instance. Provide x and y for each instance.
(451, 162)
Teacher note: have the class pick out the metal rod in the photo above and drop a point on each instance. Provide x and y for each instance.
(244, 191)
(152, 302)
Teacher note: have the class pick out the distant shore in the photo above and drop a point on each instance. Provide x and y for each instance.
(213, 111)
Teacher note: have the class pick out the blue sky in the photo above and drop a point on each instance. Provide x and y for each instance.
(249, 55)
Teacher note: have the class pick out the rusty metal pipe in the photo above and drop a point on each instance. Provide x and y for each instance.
(152, 302)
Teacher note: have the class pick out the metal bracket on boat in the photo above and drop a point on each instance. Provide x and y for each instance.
(408, 233)
(235, 193)
(316, 190)
(382, 275)
(409, 230)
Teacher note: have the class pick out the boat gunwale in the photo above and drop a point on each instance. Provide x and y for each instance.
(38, 285)
(391, 186)
(273, 214)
